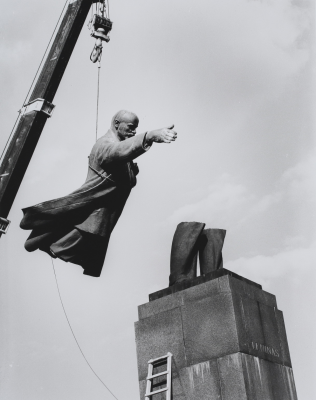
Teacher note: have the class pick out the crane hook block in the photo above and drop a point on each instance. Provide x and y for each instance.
(101, 27)
(97, 51)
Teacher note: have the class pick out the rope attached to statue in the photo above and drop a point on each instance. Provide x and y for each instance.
(74, 336)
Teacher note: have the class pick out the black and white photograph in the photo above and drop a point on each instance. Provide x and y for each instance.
(157, 200)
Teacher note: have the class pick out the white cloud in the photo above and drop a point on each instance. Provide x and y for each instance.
(267, 46)
(221, 205)
(263, 269)
(234, 206)
(300, 180)
(263, 204)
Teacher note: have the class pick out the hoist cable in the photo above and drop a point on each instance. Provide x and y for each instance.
(73, 334)
(108, 9)
(98, 95)
(5, 147)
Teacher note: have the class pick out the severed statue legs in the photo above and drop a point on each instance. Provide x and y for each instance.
(190, 241)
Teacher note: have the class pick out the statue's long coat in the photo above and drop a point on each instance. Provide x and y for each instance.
(77, 227)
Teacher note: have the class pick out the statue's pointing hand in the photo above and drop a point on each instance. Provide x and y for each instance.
(164, 135)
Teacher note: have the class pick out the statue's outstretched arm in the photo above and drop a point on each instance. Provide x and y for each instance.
(124, 151)
(131, 148)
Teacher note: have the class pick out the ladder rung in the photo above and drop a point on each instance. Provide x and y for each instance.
(159, 358)
(160, 374)
(156, 392)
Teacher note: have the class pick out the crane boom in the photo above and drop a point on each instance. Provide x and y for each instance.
(38, 108)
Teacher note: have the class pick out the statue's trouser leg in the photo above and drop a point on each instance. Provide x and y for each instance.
(70, 247)
(39, 240)
(82, 248)
(184, 250)
(211, 242)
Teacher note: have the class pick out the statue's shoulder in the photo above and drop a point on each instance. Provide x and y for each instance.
(103, 143)
(105, 140)
(108, 138)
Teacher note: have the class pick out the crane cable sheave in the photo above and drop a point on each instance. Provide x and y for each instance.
(100, 26)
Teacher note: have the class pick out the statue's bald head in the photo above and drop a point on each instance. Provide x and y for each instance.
(124, 116)
(125, 123)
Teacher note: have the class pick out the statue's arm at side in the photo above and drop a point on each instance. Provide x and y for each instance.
(124, 151)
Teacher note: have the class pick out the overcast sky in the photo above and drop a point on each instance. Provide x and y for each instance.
(236, 78)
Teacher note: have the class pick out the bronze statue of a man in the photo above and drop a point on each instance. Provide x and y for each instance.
(77, 228)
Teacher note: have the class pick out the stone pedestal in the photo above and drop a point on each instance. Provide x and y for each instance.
(227, 338)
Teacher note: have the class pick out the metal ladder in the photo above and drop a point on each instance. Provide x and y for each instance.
(150, 377)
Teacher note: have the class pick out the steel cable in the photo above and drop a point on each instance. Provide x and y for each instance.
(98, 95)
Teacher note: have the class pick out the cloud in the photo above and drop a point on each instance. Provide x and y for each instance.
(263, 269)
(268, 45)
(222, 204)
(227, 203)
(235, 206)
(300, 181)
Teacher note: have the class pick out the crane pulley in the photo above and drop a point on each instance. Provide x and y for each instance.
(100, 25)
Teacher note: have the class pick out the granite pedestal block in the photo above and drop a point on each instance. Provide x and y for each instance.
(227, 338)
